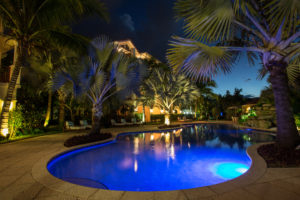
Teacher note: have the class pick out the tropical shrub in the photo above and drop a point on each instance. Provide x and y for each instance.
(157, 118)
(15, 121)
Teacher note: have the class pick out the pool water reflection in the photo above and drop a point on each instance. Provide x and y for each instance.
(194, 156)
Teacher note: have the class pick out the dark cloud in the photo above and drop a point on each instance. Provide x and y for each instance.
(128, 22)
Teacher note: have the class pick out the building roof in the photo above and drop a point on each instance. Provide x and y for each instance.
(127, 47)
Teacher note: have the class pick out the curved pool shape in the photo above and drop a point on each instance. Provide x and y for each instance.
(194, 156)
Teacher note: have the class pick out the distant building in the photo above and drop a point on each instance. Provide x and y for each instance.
(128, 48)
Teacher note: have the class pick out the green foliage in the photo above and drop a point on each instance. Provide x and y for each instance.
(169, 89)
(139, 116)
(33, 106)
(266, 96)
(33, 121)
(24, 122)
(297, 120)
(15, 121)
(245, 117)
(158, 118)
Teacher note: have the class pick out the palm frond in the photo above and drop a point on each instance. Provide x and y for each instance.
(293, 72)
(283, 13)
(206, 20)
(197, 60)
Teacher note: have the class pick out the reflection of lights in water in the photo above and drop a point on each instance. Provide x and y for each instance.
(189, 144)
(135, 165)
(152, 137)
(229, 170)
(136, 146)
(247, 137)
(172, 152)
(168, 137)
(177, 132)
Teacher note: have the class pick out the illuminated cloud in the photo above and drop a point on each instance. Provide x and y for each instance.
(128, 22)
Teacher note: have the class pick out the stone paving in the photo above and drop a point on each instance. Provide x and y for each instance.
(18, 179)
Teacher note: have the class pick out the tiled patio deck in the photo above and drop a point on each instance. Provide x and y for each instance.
(21, 177)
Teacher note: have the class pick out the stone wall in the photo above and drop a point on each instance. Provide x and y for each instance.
(265, 117)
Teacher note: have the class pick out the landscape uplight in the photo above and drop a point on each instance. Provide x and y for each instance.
(4, 132)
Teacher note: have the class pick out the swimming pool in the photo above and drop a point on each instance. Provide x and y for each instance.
(189, 157)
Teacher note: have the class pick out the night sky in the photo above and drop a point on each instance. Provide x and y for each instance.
(150, 25)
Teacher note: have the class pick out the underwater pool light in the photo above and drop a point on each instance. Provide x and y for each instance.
(229, 170)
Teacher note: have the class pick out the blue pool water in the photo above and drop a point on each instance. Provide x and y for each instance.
(194, 156)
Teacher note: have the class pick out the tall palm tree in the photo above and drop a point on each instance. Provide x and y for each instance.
(32, 22)
(106, 73)
(168, 89)
(219, 31)
(46, 64)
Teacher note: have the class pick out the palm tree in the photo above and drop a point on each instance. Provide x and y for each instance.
(31, 23)
(219, 31)
(147, 99)
(168, 89)
(46, 64)
(106, 73)
(206, 92)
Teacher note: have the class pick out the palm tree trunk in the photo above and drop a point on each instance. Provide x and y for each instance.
(196, 107)
(49, 107)
(61, 117)
(287, 134)
(167, 119)
(21, 52)
(144, 117)
(96, 124)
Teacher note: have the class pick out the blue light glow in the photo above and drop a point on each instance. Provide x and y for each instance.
(185, 158)
(229, 170)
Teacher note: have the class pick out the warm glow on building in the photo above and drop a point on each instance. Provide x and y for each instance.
(128, 48)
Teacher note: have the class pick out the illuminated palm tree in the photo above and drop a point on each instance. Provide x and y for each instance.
(168, 89)
(219, 31)
(106, 73)
(32, 22)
